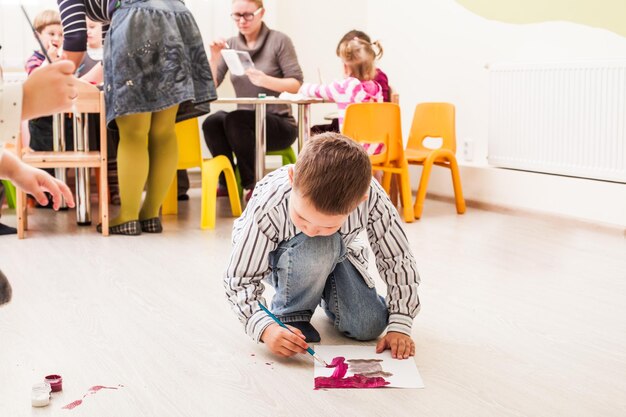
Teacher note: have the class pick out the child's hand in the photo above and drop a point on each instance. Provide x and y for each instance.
(36, 181)
(48, 90)
(257, 77)
(54, 52)
(401, 345)
(282, 342)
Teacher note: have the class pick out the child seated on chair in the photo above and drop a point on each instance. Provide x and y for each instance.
(360, 64)
(300, 233)
(48, 26)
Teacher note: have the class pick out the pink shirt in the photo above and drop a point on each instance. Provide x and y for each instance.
(345, 92)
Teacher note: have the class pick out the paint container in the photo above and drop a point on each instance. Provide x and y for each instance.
(40, 395)
(55, 381)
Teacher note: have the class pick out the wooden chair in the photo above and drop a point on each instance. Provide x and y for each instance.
(434, 120)
(380, 123)
(90, 100)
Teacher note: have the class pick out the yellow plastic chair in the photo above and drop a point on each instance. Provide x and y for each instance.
(380, 123)
(434, 120)
(189, 156)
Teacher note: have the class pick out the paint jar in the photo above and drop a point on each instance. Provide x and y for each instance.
(40, 395)
(55, 381)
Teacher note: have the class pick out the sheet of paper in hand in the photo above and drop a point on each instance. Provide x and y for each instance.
(362, 367)
(237, 61)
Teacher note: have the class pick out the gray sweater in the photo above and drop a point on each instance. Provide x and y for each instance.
(273, 54)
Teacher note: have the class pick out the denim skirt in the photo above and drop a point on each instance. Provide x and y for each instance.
(154, 58)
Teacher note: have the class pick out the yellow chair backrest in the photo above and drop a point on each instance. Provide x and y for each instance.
(435, 120)
(376, 123)
(189, 150)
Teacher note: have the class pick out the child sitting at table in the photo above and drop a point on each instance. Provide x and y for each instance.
(378, 76)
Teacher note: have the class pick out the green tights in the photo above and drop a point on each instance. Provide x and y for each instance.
(147, 155)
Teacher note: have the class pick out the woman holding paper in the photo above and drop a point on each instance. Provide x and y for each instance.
(275, 70)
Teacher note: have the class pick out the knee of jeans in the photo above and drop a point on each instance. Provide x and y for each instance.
(367, 330)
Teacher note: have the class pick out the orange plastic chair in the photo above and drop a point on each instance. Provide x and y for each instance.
(434, 120)
(189, 156)
(380, 123)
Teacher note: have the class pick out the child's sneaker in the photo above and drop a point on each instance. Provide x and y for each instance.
(310, 333)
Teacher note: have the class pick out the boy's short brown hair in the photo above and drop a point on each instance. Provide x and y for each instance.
(333, 172)
(46, 18)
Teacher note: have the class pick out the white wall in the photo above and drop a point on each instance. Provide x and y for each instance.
(435, 50)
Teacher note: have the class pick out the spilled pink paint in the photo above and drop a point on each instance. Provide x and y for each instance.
(73, 404)
(93, 390)
(337, 379)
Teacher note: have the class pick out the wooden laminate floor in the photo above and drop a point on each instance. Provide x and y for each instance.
(521, 316)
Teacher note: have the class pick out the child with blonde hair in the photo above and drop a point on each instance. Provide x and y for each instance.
(358, 86)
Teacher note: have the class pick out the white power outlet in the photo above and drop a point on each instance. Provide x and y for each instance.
(468, 149)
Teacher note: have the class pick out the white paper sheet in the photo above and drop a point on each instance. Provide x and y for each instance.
(404, 373)
(237, 61)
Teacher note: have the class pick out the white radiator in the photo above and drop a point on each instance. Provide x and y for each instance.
(559, 118)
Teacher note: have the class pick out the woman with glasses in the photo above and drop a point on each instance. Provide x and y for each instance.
(276, 69)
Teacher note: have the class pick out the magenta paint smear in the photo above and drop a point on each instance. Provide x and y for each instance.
(337, 379)
(93, 390)
(73, 405)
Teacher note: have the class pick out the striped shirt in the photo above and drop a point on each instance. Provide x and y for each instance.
(73, 13)
(34, 62)
(345, 92)
(266, 223)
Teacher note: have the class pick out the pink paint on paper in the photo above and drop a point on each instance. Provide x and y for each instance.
(93, 390)
(340, 365)
(337, 379)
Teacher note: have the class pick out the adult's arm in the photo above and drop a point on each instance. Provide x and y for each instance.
(292, 73)
(74, 21)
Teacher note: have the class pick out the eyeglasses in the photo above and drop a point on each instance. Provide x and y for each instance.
(246, 16)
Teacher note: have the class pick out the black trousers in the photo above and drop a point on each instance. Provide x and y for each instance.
(233, 133)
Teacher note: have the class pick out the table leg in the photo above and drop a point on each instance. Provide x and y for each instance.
(81, 144)
(304, 124)
(58, 145)
(260, 135)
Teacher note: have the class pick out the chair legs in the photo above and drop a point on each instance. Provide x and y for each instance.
(21, 213)
(458, 190)
(103, 188)
(423, 185)
(211, 170)
(405, 194)
(421, 189)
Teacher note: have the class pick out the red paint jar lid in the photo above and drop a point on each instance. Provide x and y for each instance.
(55, 381)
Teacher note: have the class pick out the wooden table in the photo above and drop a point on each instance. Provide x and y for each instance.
(304, 123)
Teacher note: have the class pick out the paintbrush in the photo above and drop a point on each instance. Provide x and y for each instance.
(281, 324)
(43, 50)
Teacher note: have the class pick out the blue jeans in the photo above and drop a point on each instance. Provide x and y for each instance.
(307, 271)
